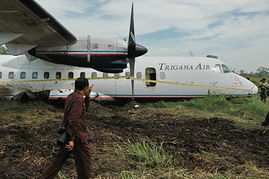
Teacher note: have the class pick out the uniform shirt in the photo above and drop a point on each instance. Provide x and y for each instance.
(263, 86)
(75, 118)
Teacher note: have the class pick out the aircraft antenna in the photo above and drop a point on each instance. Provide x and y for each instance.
(191, 53)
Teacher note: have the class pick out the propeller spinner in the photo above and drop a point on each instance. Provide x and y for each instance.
(134, 50)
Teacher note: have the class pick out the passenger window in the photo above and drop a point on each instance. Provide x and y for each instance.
(23, 75)
(11, 75)
(94, 75)
(225, 69)
(96, 46)
(0, 75)
(138, 75)
(58, 75)
(162, 75)
(82, 74)
(105, 75)
(150, 75)
(70, 75)
(46, 75)
(34, 75)
(116, 74)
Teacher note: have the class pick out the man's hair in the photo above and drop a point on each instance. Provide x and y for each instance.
(81, 83)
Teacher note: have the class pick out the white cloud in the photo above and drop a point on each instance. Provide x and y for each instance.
(236, 36)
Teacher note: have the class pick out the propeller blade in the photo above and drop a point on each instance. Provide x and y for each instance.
(132, 49)
(132, 68)
(131, 42)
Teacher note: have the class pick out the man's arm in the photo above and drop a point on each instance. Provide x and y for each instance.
(74, 115)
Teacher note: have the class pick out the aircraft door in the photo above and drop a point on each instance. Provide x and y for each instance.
(150, 75)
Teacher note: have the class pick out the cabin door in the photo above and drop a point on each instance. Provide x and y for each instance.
(150, 75)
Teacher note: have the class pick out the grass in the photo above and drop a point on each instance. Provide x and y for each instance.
(239, 109)
(62, 176)
(130, 175)
(27, 113)
(150, 159)
(146, 154)
(253, 107)
(209, 103)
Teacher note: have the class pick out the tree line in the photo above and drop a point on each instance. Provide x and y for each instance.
(260, 72)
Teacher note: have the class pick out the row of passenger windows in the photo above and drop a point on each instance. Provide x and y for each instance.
(46, 75)
(58, 75)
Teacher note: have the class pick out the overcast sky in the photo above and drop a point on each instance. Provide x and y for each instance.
(237, 31)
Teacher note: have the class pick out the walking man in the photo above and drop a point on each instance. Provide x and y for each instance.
(74, 120)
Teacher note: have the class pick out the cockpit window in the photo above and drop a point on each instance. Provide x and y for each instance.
(225, 69)
(216, 68)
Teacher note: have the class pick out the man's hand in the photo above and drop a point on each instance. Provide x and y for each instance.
(70, 145)
(88, 90)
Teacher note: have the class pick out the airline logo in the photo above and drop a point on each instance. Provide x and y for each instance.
(169, 67)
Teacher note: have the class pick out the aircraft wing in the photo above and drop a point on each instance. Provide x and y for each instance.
(24, 24)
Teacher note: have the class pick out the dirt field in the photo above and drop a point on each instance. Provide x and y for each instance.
(210, 145)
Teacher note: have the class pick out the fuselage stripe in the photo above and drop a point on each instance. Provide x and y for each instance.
(94, 51)
(136, 79)
(84, 54)
(143, 96)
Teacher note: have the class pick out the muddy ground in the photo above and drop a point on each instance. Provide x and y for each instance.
(27, 148)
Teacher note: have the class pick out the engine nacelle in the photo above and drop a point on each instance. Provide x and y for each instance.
(97, 53)
(108, 55)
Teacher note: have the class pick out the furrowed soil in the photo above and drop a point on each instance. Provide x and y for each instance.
(201, 147)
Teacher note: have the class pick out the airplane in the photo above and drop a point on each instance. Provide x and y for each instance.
(47, 57)
(156, 78)
(27, 28)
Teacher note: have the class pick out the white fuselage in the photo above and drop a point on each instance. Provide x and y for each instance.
(170, 77)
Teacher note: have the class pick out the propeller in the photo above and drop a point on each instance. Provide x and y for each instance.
(134, 50)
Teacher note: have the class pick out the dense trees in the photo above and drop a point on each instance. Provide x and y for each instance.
(262, 71)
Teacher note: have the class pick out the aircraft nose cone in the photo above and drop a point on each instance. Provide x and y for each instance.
(255, 90)
(140, 50)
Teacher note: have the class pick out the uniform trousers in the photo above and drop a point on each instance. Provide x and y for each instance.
(266, 121)
(82, 156)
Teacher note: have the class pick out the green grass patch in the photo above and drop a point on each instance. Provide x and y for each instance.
(243, 108)
(145, 154)
(62, 175)
(251, 167)
(254, 108)
(162, 104)
(210, 103)
(29, 113)
(130, 175)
